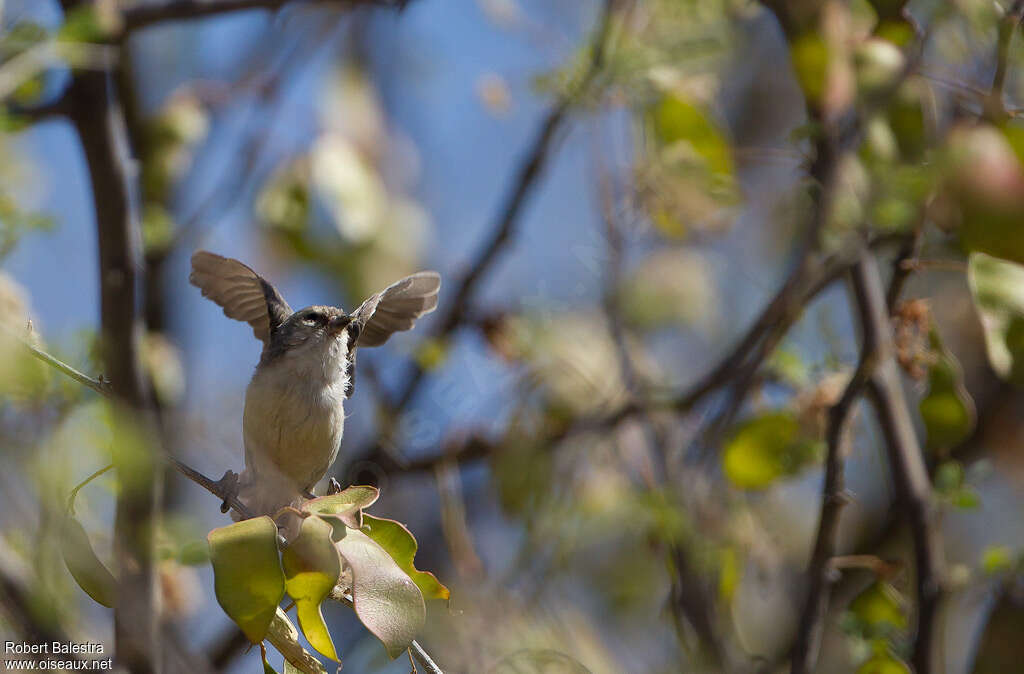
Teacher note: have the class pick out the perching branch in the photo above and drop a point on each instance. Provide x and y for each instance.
(100, 385)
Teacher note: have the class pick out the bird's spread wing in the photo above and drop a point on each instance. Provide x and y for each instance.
(397, 307)
(243, 294)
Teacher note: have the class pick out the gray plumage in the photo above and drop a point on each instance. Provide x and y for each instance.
(294, 417)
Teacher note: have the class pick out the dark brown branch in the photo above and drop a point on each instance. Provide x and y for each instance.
(144, 15)
(906, 461)
(820, 569)
(96, 115)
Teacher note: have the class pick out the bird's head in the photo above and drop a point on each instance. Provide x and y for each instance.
(319, 334)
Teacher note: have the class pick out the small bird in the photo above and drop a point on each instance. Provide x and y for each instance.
(294, 416)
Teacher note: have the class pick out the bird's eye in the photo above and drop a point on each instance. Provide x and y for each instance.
(315, 318)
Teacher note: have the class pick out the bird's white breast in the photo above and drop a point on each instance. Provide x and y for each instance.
(293, 421)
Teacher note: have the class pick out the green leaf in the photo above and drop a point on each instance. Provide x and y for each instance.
(884, 664)
(85, 567)
(82, 25)
(809, 55)
(401, 545)
(996, 559)
(764, 449)
(247, 575)
(880, 606)
(678, 121)
(386, 600)
(311, 570)
(946, 409)
(998, 290)
(346, 505)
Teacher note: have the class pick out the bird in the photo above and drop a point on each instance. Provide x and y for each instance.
(294, 418)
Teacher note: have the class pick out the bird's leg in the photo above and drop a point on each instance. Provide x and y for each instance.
(228, 486)
(333, 487)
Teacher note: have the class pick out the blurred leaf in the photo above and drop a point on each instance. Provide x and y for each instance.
(789, 367)
(966, 499)
(678, 121)
(538, 661)
(401, 545)
(386, 600)
(996, 559)
(248, 579)
(766, 448)
(880, 607)
(194, 553)
(85, 567)
(884, 664)
(809, 55)
(347, 505)
(671, 286)
(81, 24)
(878, 64)
(729, 574)
(998, 290)
(431, 354)
(949, 477)
(946, 409)
(311, 569)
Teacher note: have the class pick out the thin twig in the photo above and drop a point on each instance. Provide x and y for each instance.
(100, 385)
(509, 215)
(995, 106)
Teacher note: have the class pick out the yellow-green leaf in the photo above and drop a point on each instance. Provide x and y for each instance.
(884, 664)
(764, 449)
(809, 55)
(998, 289)
(311, 569)
(946, 409)
(247, 575)
(386, 600)
(346, 504)
(85, 567)
(678, 121)
(401, 545)
(880, 605)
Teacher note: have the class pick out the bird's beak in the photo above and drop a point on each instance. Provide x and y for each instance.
(338, 323)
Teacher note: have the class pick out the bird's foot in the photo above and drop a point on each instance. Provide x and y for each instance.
(228, 487)
(333, 487)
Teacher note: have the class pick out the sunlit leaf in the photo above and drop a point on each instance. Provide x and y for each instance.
(248, 579)
(765, 449)
(809, 55)
(880, 606)
(884, 664)
(679, 121)
(386, 600)
(998, 290)
(996, 559)
(946, 409)
(346, 505)
(311, 569)
(85, 567)
(401, 545)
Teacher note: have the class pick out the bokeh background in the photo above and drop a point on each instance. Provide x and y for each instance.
(336, 149)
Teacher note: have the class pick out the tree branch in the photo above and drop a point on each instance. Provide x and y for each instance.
(527, 178)
(906, 461)
(145, 15)
(100, 385)
(995, 106)
(820, 570)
